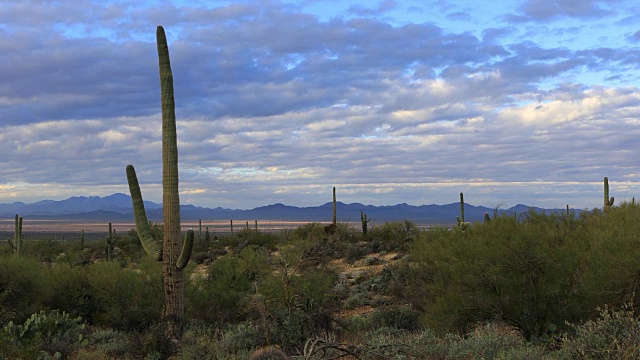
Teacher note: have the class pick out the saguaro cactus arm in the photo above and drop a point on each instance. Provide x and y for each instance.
(187, 247)
(608, 201)
(152, 246)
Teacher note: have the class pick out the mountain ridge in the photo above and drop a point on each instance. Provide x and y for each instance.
(118, 206)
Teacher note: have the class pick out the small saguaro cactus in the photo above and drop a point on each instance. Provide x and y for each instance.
(487, 218)
(461, 223)
(174, 259)
(207, 239)
(364, 221)
(82, 240)
(608, 201)
(109, 241)
(18, 238)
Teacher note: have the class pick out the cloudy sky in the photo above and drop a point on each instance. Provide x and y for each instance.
(530, 101)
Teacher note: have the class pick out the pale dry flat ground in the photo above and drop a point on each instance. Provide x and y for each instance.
(218, 226)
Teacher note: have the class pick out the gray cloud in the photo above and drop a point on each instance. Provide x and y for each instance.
(546, 10)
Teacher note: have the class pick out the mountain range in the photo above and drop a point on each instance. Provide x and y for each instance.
(118, 207)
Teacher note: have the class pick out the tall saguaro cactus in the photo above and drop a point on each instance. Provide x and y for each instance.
(173, 252)
(608, 201)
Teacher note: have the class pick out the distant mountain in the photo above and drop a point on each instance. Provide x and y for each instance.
(120, 203)
(118, 207)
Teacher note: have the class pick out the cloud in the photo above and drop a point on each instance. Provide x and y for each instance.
(275, 104)
(546, 10)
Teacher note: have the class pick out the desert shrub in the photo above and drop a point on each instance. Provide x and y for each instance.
(199, 342)
(393, 236)
(491, 342)
(486, 342)
(69, 290)
(224, 295)
(269, 353)
(523, 274)
(612, 262)
(402, 318)
(154, 342)
(126, 298)
(22, 288)
(240, 340)
(355, 252)
(393, 343)
(45, 250)
(252, 237)
(311, 231)
(614, 335)
(55, 333)
(295, 301)
(111, 342)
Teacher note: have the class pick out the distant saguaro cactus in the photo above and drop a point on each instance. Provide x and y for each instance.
(173, 252)
(461, 223)
(608, 201)
(334, 218)
(18, 238)
(364, 221)
(487, 218)
(108, 248)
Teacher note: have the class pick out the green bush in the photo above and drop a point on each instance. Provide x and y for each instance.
(393, 236)
(223, 296)
(69, 289)
(296, 301)
(127, 298)
(523, 274)
(22, 288)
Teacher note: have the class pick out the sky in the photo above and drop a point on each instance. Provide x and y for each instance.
(392, 101)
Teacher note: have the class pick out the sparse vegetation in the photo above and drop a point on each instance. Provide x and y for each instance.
(538, 287)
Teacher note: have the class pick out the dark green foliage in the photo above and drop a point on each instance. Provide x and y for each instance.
(69, 289)
(126, 299)
(534, 275)
(22, 288)
(223, 295)
(392, 236)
